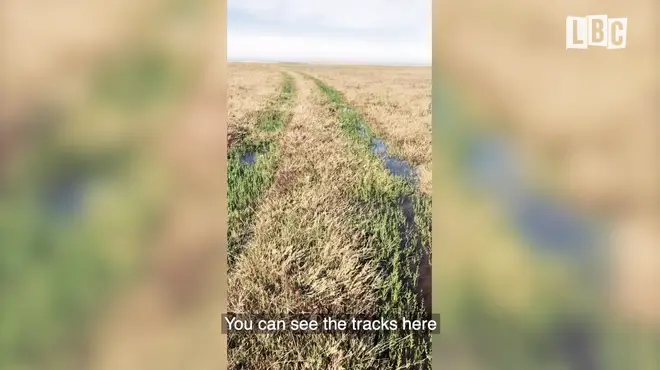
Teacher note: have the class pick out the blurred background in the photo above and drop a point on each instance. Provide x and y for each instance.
(112, 199)
(546, 224)
(111, 196)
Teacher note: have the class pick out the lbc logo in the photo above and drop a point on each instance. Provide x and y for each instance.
(596, 30)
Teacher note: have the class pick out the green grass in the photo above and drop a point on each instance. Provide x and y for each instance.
(479, 318)
(247, 182)
(288, 89)
(59, 265)
(400, 246)
(271, 120)
(137, 80)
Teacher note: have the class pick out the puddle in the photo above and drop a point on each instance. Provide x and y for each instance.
(408, 210)
(248, 158)
(397, 167)
(66, 198)
(577, 342)
(403, 169)
(409, 228)
(547, 223)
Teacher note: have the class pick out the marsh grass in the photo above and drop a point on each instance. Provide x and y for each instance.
(307, 253)
(73, 223)
(401, 238)
(504, 305)
(395, 101)
(331, 235)
(247, 182)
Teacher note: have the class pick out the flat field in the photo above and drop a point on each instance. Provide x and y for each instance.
(329, 210)
(584, 126)
(588, 123)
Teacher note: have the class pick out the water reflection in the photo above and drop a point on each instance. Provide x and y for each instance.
(66, 197)
(397, 167)
(543, 220)
(248, 158)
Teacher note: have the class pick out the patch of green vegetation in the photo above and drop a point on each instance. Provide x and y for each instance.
(273, 117)
(138, 79)
(252, 164)
(563, 326)
(288, 89)
(59, 255)
(397, 221)
(251, 169)
(271, 120)
(74, 222)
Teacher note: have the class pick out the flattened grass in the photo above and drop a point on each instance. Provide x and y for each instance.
(332, 236)
(398, 220)
(307, 255)
(248, 179)
(398, 107)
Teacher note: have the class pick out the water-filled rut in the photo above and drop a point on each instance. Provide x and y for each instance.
(405, 209)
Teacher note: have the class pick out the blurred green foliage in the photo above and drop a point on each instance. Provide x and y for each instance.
(539, 312)
(77, 218)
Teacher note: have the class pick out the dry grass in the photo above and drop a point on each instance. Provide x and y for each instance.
(254, 136)
(114, 74)
(396, 101)
(322, 232)
(304, 256)
(589, 117)
(250, 88)
(36, 63)
(311, 194)
(585, 121)
(250, 85)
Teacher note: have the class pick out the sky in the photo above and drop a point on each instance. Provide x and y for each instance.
(388, 32)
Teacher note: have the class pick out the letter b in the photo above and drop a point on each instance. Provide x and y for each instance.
(598, 33)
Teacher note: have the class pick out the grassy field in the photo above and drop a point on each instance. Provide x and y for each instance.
(398, 108)
(319, 220)
(585, 127)
(88, 190)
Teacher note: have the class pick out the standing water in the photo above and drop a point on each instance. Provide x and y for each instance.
(543, 220)
(248, 158)
(397, 167)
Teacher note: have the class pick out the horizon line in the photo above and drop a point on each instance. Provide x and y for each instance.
(383, 64)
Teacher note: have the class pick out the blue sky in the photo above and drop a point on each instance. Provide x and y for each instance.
(338, 31)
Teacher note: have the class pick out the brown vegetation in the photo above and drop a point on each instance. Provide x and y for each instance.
(397, 101)
(250, 88)
(326, 222)
(589, 116)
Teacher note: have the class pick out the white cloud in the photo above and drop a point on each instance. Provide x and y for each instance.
(341, 13)
(328, 50)
(352, 31)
